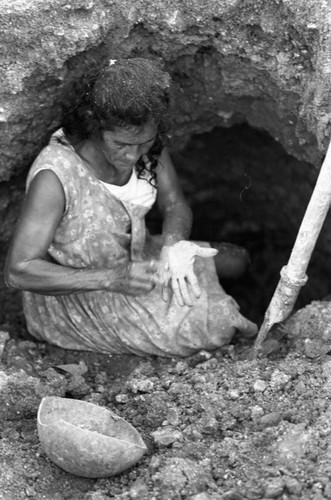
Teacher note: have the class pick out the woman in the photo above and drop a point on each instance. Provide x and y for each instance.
(93, 278)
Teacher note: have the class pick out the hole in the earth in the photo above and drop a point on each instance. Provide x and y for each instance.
(245, 189)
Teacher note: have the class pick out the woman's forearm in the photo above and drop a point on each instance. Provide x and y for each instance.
(177, 223)
(41, 276)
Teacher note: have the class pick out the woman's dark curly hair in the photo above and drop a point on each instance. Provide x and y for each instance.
(124, 93)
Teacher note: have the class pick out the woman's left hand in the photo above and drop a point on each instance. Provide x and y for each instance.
(176, 269)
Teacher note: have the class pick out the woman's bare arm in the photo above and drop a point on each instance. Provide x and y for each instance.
(28, 266)
(177, 215)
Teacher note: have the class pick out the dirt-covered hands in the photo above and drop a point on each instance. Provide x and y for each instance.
(137, 278)
(177, 270)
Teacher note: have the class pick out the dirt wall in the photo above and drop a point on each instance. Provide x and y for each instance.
(263, 61)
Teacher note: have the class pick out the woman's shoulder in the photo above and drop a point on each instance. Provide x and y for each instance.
(57, 154)
(60, 158)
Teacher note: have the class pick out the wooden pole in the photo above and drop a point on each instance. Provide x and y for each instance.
(293, 275)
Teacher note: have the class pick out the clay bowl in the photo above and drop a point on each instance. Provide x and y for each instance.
(86, 439)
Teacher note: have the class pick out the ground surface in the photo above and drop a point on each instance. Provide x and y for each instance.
(217, 426)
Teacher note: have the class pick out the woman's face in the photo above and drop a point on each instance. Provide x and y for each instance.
(123, 147)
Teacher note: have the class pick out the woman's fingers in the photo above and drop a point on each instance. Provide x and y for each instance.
(165, 292)
(183, 287)
(205, 252)
(176, 290)
(164, 278)
(150, 267)
(181, 292)
(145, 269)
(187, 299)
(142, 276)
(194, 284)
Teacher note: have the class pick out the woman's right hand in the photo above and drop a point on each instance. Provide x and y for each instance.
(177, 269)
(136, 278)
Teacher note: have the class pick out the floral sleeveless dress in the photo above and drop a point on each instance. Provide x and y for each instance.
(97, 231)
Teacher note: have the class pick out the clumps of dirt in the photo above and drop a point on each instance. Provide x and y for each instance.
(310, 329)
(218, 426)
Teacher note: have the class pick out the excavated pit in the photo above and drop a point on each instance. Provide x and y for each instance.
(233, 64)
(243, 188)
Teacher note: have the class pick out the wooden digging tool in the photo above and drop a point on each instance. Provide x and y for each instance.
(293, 276)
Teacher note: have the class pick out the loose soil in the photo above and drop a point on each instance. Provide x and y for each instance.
(218, 425)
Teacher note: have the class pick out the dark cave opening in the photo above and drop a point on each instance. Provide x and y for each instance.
(245, 189)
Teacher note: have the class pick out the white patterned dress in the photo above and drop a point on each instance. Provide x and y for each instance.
(98, 230)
